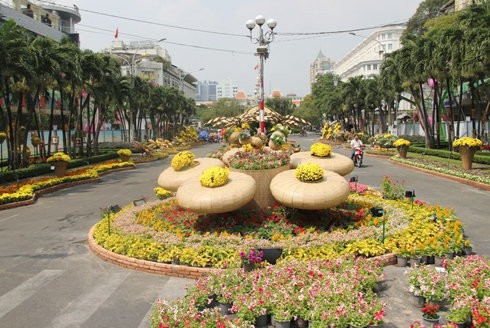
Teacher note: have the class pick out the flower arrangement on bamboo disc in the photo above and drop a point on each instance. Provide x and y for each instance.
(182, 160)
(261, 159)
(467, 142)
(124, 152)
(277, 139)
(308, 172)
(214, 177)
(401, 143)
(59, 157)
(320, 149)
(244, 135)
(162, 193)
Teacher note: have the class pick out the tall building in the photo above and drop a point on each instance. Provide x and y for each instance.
(320, 66)
(226, 89)
(147, 60)
(40, 18)
(206, 91)
(366, 58)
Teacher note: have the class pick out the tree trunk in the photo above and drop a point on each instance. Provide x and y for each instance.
(51, 121)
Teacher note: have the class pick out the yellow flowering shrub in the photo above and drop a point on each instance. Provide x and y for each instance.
(308, 172)
(162, 193)
(182, 160)
(214, 177)
(320, 149)
(468, 142)
(401, 142)
(124, 152)
(59, 157)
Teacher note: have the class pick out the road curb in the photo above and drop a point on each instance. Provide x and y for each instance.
(447, 176)
(181, 271)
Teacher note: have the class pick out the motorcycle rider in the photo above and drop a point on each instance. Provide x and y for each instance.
(356, 143)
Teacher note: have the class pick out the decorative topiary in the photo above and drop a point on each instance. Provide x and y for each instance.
(320, 149)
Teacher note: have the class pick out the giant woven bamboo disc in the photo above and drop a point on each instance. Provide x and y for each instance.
(331, 191)
(337, 163)
(238, 191)
(171, 179)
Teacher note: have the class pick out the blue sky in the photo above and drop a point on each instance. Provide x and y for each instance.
(231, 57)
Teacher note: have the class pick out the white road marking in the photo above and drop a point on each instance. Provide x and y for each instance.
(25, 290)
(78, 311)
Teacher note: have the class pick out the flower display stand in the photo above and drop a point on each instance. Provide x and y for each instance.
(467, 154)
(402, 151)
(60, 168)
(263, 197)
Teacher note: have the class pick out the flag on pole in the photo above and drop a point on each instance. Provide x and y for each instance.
(256, 66)
(117, 33)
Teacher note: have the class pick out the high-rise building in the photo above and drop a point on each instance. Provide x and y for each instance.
(320, 66)
(206, 91)
(226, 89)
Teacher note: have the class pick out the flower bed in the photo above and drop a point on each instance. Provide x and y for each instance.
(26, 190)
(336, 293)
(465, 286)
(215, 240)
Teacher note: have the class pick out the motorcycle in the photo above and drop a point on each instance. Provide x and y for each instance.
(358, 154)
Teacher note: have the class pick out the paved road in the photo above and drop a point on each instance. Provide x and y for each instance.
(49, 278)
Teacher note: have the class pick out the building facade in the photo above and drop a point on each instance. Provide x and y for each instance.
(321, 65)
(147, 60)
(50, 20)
(226, 89)
(206, 91)
(366, 58)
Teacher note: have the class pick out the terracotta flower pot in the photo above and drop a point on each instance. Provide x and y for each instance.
(467, 154)
(60, 168)
(402, 151)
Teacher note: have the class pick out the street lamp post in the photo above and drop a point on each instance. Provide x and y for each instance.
(184, 75)
(263, 41)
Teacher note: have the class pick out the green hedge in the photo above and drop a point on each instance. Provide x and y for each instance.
(480, 157)
(45, 168)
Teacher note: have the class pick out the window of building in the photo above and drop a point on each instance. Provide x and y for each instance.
(375, 66)
(390, 35)
(390, 46)
(368, 67)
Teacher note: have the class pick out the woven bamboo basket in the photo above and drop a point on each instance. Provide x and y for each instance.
(238, 191)
(330, 191)
(263, 197)
(337, 163)
(172, 180)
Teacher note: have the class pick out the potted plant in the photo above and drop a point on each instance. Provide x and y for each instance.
(60, 161)
(430, 312)
(124, 154)
(244, 137)
(402, 147)
(459, 315)
(250, 258)
(467, 148)
(276, 140)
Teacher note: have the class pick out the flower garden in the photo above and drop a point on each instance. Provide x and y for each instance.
(320, 249)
